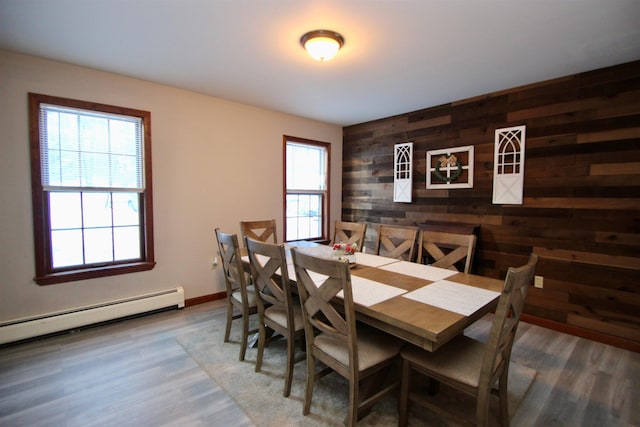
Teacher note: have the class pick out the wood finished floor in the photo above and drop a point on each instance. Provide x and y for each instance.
(134, 373)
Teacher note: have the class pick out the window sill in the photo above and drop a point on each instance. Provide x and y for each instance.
(92, 273)
(318, 241)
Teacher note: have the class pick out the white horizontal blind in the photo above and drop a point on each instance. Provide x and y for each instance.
(82, 149)
(306, 168)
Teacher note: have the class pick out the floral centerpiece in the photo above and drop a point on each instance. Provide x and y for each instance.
(345, 251)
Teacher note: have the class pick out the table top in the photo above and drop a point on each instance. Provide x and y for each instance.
(424, 305)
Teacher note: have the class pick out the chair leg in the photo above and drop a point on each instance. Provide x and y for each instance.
(403, 399)
(503, 396)
(482, 408)
(288, 375)
(354, 401)
(309, 387)
(262, 337)
(227, 331)
(245, 335)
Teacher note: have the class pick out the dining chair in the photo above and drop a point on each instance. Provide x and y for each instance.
(446, 250)
(350, 232)
(361, 355)
(471, 366)
(242, 301)
(277, 309)
(396, 242)
(264, 231)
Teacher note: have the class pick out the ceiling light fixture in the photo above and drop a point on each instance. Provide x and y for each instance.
(322, 44)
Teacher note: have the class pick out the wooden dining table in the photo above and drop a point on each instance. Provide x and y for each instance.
(423, 305)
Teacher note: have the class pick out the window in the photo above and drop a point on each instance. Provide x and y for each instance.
(306, 189)
(91, 189)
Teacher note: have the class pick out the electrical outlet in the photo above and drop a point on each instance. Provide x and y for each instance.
(214, 262)
(538, 282)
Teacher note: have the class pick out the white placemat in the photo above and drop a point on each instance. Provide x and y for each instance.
(371, 260)
(323, 251)
(367, 292)
(453, 296)
(422, 271)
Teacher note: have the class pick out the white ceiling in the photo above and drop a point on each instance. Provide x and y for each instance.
(399, 55)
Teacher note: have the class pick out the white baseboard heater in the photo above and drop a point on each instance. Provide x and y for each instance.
(20, 329)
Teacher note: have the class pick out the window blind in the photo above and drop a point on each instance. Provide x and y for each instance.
(306, 168)
(81, 149)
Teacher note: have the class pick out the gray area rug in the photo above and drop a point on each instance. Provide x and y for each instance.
(260, 394)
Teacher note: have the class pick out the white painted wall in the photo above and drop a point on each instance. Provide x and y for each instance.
(215, 163)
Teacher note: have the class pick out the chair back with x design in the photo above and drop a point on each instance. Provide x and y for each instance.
(263, 231)
(241, 296)
(324, 286)
(396, 242)
(277, 309)
(446, 250)
(350, 232)
(316, 294)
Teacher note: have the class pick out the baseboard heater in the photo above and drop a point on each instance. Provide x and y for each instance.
(20, 329)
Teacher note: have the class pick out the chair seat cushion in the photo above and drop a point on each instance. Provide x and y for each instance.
(252, 297)
(279, 316)
(373, 347)
(460, 360)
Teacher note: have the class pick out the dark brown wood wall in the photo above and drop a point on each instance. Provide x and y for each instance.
(581, 210)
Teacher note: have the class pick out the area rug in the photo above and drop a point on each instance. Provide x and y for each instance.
(260, 394)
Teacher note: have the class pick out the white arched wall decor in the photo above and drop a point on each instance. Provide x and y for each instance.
(508, 169)
(402, 175)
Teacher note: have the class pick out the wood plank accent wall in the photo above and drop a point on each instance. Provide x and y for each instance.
(581, 209)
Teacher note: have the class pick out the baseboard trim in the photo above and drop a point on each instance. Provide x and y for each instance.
(204, 298)
(583, 333)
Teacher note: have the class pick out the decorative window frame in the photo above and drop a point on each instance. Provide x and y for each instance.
(402, 172)
(451, 174)
(508, 165)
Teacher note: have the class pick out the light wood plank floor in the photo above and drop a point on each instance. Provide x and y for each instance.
(134, 373)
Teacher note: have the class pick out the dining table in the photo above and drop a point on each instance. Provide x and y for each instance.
(421, 304)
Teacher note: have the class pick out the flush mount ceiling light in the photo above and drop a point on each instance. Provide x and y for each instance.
(322, 44)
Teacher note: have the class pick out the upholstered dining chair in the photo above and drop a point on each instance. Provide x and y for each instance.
(469, 365)
(264, 231)
(277, 308)
(396, 242)
(242, 300)
(333, 339)
(446, 250)
(350, 232)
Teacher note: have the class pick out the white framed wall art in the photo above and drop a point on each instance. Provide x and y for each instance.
(402, 172)
(508, 169)
(450, 168)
